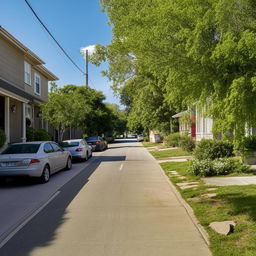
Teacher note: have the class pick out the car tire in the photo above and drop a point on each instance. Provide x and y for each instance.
(69, 164)
(45, 177)
(86, 157)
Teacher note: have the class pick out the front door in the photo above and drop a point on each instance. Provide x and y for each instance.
(2, 113)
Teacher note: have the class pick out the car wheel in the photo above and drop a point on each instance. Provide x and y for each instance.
(69, 163)
(86, 157)
(45, 177)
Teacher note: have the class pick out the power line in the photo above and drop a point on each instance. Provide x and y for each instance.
(47, 30)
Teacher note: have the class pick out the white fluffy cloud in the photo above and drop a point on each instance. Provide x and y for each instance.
(90, 48)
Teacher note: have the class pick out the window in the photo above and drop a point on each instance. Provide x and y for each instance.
(56, 147)
(37, 84)
(27, 73)
(48, 148)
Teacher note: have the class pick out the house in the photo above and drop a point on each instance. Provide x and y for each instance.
(23, 86)
(195, 124)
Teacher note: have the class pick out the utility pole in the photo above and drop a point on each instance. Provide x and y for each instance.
(86, 71)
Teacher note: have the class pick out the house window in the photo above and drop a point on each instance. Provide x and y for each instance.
(37, 84)
(27, 73)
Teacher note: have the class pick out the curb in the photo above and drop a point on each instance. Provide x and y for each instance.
(188, 209)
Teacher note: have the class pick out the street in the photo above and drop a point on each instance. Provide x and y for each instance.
(117, 203)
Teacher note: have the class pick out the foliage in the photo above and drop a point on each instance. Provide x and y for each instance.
(248, 144)
(83, 108)
(2, 138)
(191, 53)
(212, 149)
(37, 134)
(221, 166)
(41, 135)
(187, 143)
(30, 133)
(173, 140)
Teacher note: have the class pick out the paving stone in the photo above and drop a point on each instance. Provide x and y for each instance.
(223, 227)
(209, 195)
(211, 189)
(195, 199)
(187, 183)
(174, 173)
(189, 186)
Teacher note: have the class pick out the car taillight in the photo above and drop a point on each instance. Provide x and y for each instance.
(79, 149)
(33, 161)
(97, 142)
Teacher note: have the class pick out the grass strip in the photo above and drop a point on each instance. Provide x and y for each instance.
(169, 153)
(237, 203)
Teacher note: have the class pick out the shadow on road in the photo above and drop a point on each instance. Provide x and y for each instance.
(41, 230)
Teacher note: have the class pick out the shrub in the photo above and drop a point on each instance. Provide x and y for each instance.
(41, 135)
(173, 140)
(248, 144)
(201, 168)
(2, 138)
(221, 166)
(30, 134)
(213, 149)
(37, 135)
(187, 143)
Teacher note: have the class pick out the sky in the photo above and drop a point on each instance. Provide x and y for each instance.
(75, 24)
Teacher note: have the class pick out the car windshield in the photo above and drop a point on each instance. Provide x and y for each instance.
(66, 144)
(22, 149)
(92, 138)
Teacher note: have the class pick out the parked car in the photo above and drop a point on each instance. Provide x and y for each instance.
(34, 159)
(140, 137)
(97, 143)
(78, 148)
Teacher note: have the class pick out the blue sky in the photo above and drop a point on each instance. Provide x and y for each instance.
(75, 24)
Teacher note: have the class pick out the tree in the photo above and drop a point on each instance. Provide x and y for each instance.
(198, 52)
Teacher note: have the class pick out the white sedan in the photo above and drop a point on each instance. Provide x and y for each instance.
(78, 148)
(34, 159)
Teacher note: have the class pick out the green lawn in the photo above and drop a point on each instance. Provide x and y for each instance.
(237, 203)
(151, 144)
(169, 153)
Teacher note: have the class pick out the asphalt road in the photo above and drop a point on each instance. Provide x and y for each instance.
(117, 204)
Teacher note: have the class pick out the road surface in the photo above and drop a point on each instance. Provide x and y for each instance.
(119, 205)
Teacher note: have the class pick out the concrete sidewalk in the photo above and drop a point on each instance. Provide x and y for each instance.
(127, 208)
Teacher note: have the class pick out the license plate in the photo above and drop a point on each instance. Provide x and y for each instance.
(8, 164)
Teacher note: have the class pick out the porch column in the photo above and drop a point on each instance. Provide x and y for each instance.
(23, 122)
(7, 119)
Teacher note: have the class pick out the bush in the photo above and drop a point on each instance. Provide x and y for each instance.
(221, 166)
(213, 149)
(2, 138)
(173, 140)
(248, 144)
(37, 135)
(30, 134)
(187, 143)
(41, 135)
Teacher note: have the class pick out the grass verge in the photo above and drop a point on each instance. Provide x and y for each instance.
(237, 203)
(169, 153)
(151, 144)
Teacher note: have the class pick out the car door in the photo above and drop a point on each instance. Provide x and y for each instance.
(49, 151)
(60, 156)
(88, 147)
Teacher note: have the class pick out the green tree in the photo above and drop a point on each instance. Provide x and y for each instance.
(198, 52)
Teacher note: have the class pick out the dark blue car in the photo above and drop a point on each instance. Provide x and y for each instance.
(97, 143)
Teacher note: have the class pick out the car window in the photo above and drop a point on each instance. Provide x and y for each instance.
(67, 144)
(85, 142)
(56, 148)
(22, 149)
(48, 148)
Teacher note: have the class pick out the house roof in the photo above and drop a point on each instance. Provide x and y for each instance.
(38, 62)
(180, 114)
